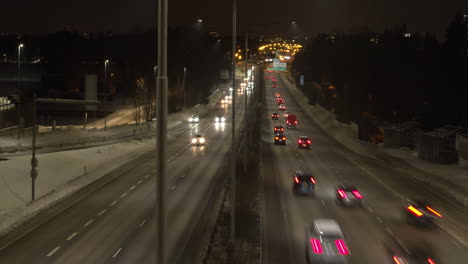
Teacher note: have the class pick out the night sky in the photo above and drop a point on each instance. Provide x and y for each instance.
(42, 16)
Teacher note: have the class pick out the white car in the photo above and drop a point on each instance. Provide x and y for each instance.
(220, 119)
(286, 114)
(193, 119)
(325, 243)
(198, 140)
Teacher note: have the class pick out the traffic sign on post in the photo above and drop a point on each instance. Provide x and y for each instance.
(34, 163)
(34, 174)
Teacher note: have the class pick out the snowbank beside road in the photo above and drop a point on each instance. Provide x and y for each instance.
(445, 177)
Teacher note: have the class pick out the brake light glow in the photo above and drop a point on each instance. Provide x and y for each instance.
(342, 194)
(300, 141)
(296, 122)
(396, 260)
(276, 138)
(415, 211)
(357, 194)
(340, 244)
(312, 180)
(296, 179)
(316, 246)
(284, 138)
(430, 261)
(308, 141)
(433, 211)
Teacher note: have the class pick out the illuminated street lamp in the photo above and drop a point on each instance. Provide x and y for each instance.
(20, 46)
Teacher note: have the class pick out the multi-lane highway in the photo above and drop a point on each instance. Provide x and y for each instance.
(116, 223)
(384, 185)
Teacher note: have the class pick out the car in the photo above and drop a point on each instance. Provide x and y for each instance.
(280, 139)
(275, 116)
(220, 119)
(304, 142)
(420, 212)
(198, 140)
(410, 251)
(277, 95)
(193, 119)
(285, 115)
(278, 129)
(274, 86)
(280, 100)
(291, 121)
(282, 107)
(325, 243)
(348, 195)
(303, 183)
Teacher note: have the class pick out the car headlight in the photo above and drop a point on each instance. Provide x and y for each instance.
(223, 119)
(217, 119)
(196, 119)
(194, 140)
(202, 140)
(190, 119)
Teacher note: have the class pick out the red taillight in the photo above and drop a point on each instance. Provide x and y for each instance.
(357, 194)
(433, 211)
(316, 246)
(342, 194)
(282, 129)
(276, 138)
(414, 211)
(396, 260)
(341, 246)
(300, 141)
(312, 180)
(295, 122)
(308, 141)
(430, 261)
(296, 179)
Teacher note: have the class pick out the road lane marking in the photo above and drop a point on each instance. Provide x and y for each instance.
(370, 209)
(113, 203)
(147, 175)
(173, 187)
(379, 219)
(389, 231)
(323, 202)
(102, 212)
(117, 253)
(123, 195)
(140, 181)
(89, 222)
(456, 243)
(133, 187)
(460, 239)
(53, 251)
(72, 236)
(142, 223)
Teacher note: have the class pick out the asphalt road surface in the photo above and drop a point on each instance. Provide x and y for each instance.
(116, 223)
(384, 185)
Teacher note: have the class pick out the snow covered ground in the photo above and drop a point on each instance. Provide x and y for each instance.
(65, 172)
(441, 176)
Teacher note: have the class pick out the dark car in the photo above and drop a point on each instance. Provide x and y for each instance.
(280, 139)
(410, 251)
(277, 129)
(348, 195)
(275, 116)
(304, 142)
(420, 212)
(303, 183)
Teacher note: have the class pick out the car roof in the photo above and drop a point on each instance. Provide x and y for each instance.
(327, 227)
(279, 126)
(198, 136)
(347, 187)
(303, 137)
(303, 174)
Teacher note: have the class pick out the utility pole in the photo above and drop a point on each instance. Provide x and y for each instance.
(233, 147)
(246, 135)
(20, 123)
(105, 93)
(183, 86)
(34, 161)
(161, 132)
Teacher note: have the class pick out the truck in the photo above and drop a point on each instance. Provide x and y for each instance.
(291, 121)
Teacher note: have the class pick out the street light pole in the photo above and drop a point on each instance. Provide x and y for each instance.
(245, 100)
(233, 147)
(183, 86)
(34, 161)
(161, 132)
(19, 88)
(105, 93)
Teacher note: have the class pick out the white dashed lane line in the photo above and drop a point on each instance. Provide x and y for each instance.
(140, 181)
(102, 212)
(379, 219)
(53, 251)
(113, 203)
(89, 222)
(323, 202)
(173, 187)
(389, 231)
(117, 253)
(123, 195)
(142, 223)
(147, 175)
(72, 236)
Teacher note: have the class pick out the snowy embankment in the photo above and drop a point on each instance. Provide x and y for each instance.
(442, 176)
(64, 173)
(77, 137)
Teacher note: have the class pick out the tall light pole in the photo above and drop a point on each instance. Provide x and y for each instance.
(233, 147)
(20, 46)
(183, 85)
(161, 132)
(245, 96)
(105, 93)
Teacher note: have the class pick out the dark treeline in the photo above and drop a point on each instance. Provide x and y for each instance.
(68, 55)
(394, 76)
